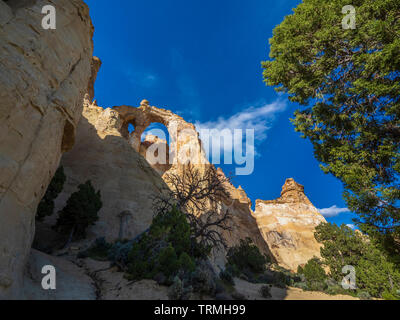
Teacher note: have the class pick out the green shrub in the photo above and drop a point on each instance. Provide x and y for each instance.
(364, 295)
(238, 296)
(203, 279)
(391, 295)
(186, 262)
(280, 280)
(301, 285)
(314, 274)
(80, 212)
(178, 290)
(167, 248)
(46, 205)
(316, 286)
(376, 273)
(98, 251)
(300, 270)
(246, 257)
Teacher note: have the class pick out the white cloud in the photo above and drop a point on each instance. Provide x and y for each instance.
(257, 117)
(351, 226)
(332, 211)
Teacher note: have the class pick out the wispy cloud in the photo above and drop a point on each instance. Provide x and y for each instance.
(258, 117)
(333, 211)
(351, 226)
(143, 79)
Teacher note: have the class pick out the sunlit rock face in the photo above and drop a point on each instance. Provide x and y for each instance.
(114, 159)
(288, 225)
(125, 179)
(44, 76)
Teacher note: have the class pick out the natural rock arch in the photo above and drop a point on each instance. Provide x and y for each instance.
(180, 132)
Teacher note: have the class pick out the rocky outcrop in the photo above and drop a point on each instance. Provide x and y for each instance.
(243, 224)
(184, 144)
(159, 145)
(44, 75)
(288, 224)
(126, 181)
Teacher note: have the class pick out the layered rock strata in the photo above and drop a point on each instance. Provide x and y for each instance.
(288, 225)
(44, 75)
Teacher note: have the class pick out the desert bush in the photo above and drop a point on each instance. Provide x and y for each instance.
(364, 295)
(313, 272)
(178, 290)
(316, 286)
(119, 252)
(98, 251)
(246, 258)
(280, 280)
(203, 279)
(301, 285)
(167, 248)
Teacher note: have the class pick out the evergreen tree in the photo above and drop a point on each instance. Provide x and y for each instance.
(315, 275)
(46, 205)
(246, 256)
(80, 212)
(375, 272)
(168, 247)
(348, 81)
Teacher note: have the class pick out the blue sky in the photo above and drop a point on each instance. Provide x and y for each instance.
(202, 60)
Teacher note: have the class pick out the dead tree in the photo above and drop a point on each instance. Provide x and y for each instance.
(197, 193)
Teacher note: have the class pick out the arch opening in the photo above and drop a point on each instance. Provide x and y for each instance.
(154, 147)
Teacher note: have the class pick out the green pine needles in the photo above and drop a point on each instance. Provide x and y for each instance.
(349, 84)
(80, 212)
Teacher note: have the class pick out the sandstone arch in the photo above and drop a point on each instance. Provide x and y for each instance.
(182, 134)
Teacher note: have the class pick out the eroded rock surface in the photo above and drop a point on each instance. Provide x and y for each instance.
(114, 160)
(288, 224)
(72, 282)
(125, 179)
(44, 75)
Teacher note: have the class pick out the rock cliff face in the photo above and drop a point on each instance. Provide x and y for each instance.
(288, 224)
(43, 79)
